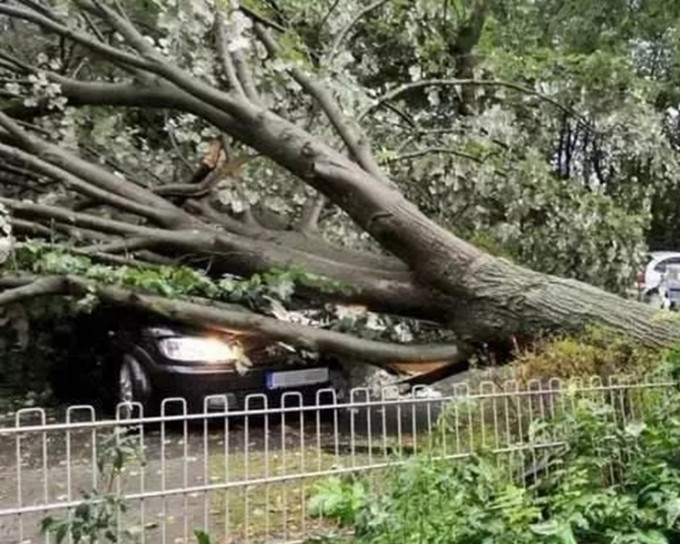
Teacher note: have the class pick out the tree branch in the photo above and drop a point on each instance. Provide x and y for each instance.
(155, 63)
(461, 49)
(30, 228)
(245, 76)
(70, 218)
(224, 55)
(343, 33)
(175, 146)
(83, 93)
(151, 61)
(196, 190)
(104, 158)
(101, 48)
(49, 285)
(261, 19)
(210, 315)
(309, 221)
(120, 246)
(37, 6)
(395, 93)
(349, 132)
(330, 11)
(83, 187)
(101, 179)
(431, 150)
(93, 27)
(204, 208)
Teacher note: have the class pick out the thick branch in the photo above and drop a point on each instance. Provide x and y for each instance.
(82, 93)
(88, 177)
(120, 246)
(83, 187)
(350, 133)
(320, 340)
(70, 218)
(380, 283)
(40, 287)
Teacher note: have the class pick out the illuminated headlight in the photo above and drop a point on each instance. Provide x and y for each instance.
(193, 349)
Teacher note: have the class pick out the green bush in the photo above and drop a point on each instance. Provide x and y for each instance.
(595, 352)
(338, 499)
(615, 480)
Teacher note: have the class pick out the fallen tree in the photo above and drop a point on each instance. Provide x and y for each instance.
(424, 272)
(232, 319)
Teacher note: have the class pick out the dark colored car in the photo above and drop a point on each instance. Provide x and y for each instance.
(128, 357)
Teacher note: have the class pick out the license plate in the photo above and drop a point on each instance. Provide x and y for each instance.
(296, 378)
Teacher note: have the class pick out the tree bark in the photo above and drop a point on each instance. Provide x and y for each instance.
(483, 298)
(494, 299)
(235, 320)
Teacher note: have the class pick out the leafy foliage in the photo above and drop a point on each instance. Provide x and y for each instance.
(595, 352)
(96, 518)
(272, 293)
(171, 281)
(202, 537)
(615, 480)
(576, 190)
(338, 499)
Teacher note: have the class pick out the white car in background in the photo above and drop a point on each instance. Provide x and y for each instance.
(650, 278)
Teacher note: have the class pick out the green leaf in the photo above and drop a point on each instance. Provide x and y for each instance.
(202, 537)
(46, 524)
(82, 510)
(560, 530)
(336, 498)
(62, 532)
(672, 509)
(651, 537)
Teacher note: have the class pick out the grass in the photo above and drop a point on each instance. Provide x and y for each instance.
(272, 509)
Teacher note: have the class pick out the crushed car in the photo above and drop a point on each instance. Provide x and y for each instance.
(117, 356)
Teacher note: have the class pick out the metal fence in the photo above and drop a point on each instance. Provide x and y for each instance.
(246, 475)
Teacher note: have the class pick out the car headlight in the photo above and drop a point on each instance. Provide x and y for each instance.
(194, 349)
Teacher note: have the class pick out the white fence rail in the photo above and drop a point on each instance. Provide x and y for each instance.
(246, 476)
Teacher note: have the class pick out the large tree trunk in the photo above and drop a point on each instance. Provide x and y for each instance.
(494, 299)
(482, 298)
(506, 299)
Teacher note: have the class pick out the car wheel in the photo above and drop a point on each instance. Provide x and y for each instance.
(132, 388)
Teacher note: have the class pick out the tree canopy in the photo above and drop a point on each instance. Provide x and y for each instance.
(289, 155)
